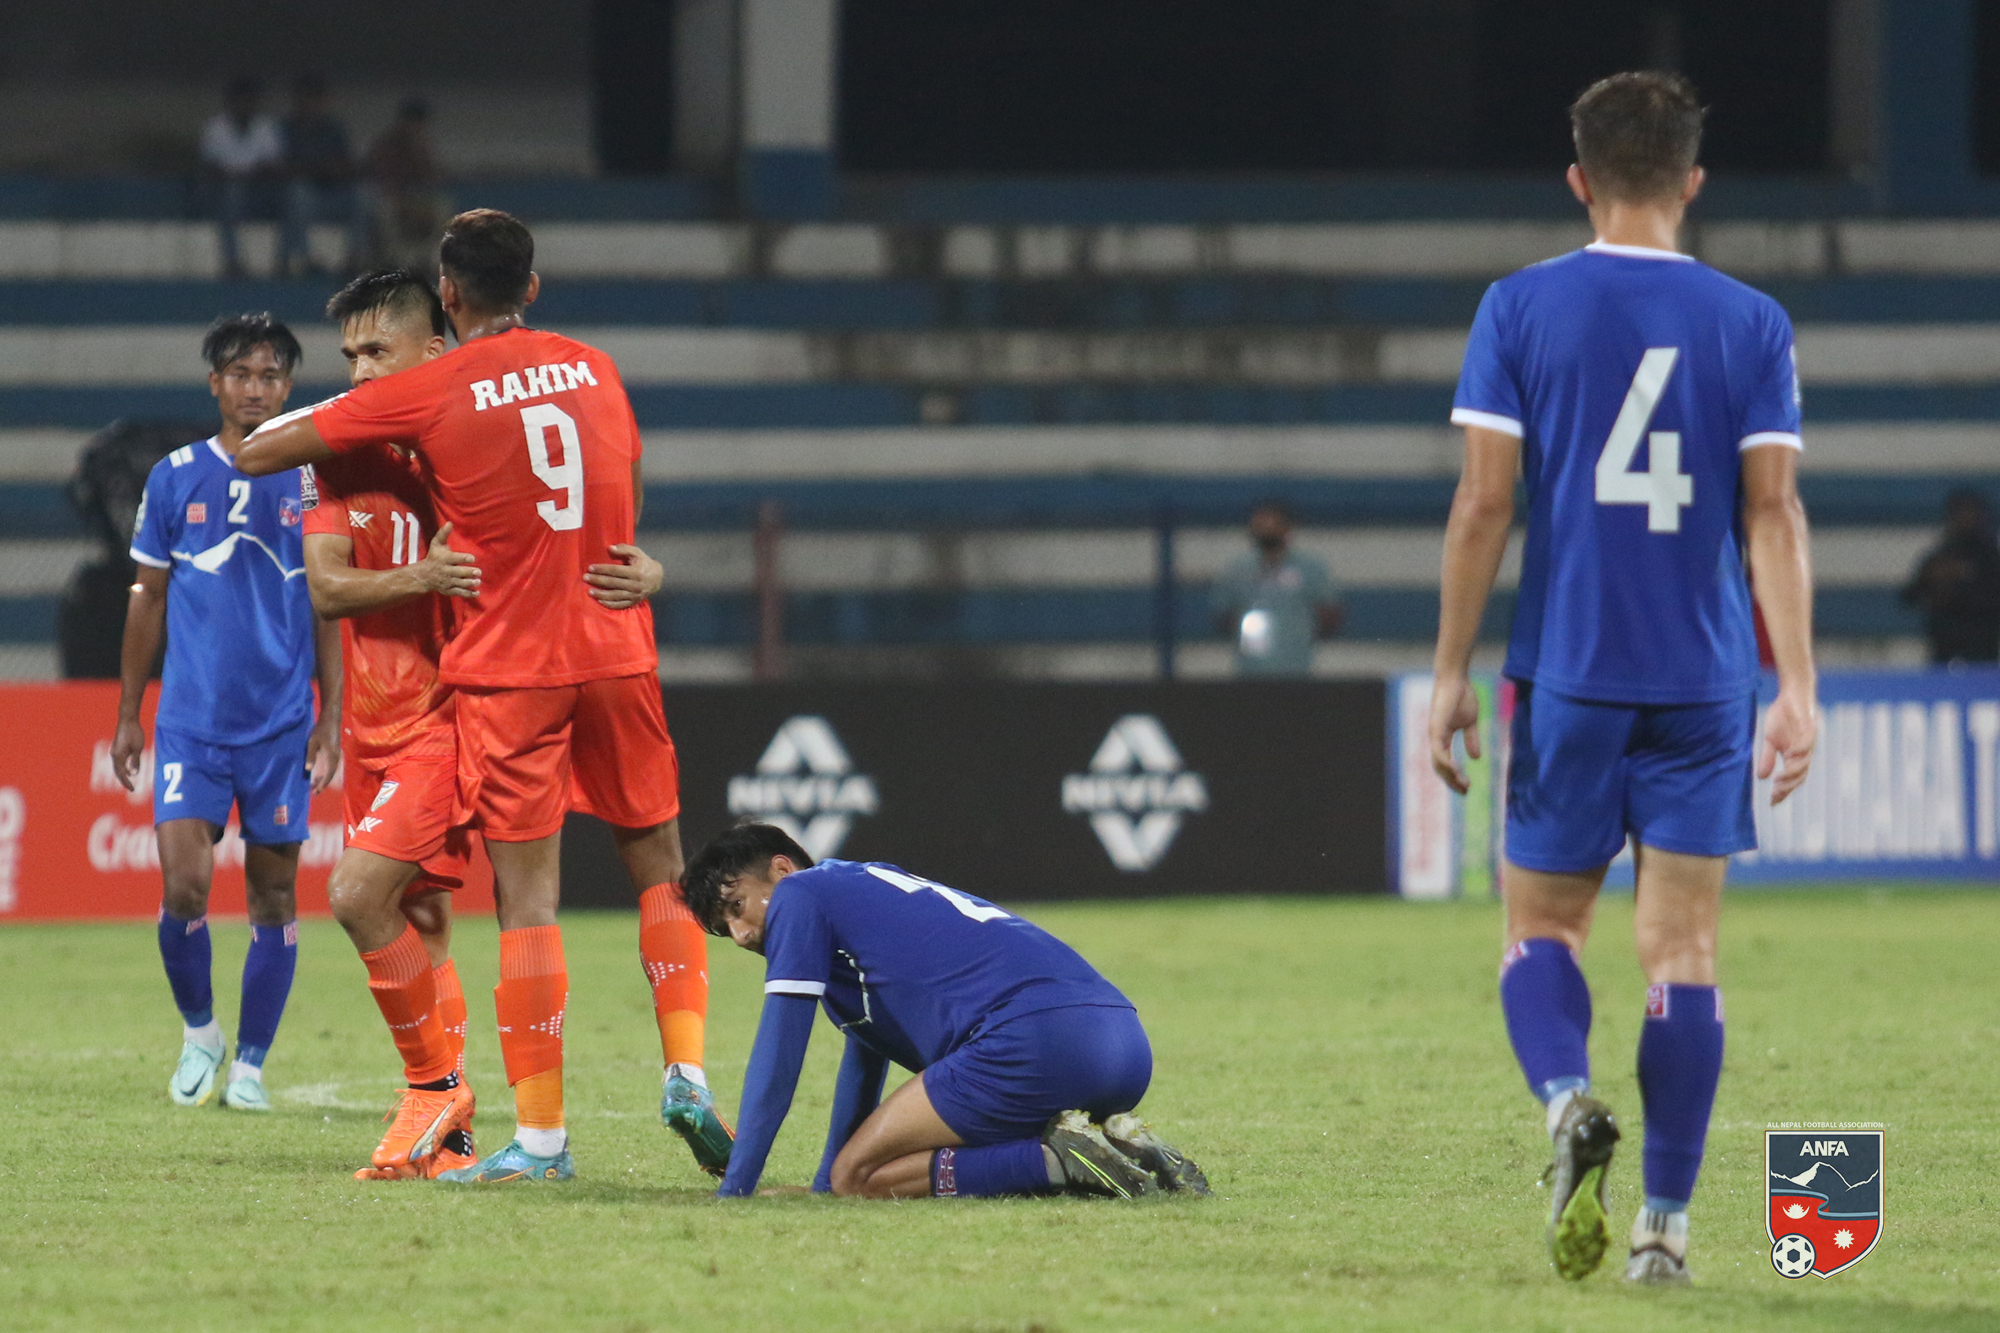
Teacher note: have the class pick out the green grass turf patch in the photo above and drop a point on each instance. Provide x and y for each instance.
(1339, 1067)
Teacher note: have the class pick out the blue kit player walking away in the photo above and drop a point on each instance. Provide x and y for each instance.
(1650, 406)
(222, 569)
(1029, 1063)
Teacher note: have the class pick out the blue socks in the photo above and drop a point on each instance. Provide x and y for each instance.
(1000, 1168)
(184, 948)
(1680, 1062)
(267, 982)
(1547, 1004)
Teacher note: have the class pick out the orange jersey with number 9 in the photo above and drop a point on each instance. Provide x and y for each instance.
(395, 700)
(527, 443)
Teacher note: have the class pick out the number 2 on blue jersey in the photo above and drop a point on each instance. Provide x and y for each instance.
(914, 884)
(1663, 488)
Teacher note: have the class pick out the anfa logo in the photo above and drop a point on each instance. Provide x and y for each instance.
(1823, 1194)
(807, 786)
(1136, 792)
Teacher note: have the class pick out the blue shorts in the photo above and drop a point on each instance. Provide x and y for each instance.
(1007, 1082)
(266, 780)
(1583, 775)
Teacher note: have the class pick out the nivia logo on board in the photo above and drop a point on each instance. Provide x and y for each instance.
(1136, 793)
(807, 786)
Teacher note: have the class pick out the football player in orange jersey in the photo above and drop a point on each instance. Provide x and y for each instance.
(558, 701)
(369, 565)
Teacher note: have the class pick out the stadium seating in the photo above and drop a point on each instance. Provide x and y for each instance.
(975, 430)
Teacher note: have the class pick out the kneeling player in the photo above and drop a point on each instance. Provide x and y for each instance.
(1008, 1027)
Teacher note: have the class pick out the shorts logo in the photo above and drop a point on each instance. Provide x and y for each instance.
(806, 785)
(369, 824)
(288, 511)
(1656, 1001)
(1823, 1192)
(282, 815)
(946, 1172)
(382, 797)
(197, 511)
(1136, 793)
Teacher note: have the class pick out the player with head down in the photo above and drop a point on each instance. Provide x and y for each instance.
(1007, 1027)
(1652, 406)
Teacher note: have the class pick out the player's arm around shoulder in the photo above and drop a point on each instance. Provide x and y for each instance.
(1778, 547)
(287, 441)
(1475, 539)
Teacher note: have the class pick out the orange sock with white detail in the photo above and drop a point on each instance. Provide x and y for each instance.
(400, 979)
(451, 1010)
(674, 949)
(534, 987)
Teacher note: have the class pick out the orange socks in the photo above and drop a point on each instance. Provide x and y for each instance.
(451, 1010)
(400, 978)
(674, 950)
(534, 987)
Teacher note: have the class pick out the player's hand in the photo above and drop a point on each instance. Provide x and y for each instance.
(629, 583)
(447, 572)
(126, 748)
(1791, 729)
(1454, 708)
(323, 752)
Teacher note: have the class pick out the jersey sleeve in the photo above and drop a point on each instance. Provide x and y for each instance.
(385, 411)
(324, 505)
(1771, 415)
(1489, 392)
(156, 525)
(798, 946)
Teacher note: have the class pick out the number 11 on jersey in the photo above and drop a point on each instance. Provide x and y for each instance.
(1663, 488)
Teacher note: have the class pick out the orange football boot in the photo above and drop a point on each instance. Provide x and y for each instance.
(419, 1122)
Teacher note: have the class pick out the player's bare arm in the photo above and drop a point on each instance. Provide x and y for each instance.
(339, 590)
(1776, 543)
(145, 622)
(1475, 539)
(284, 442)
(323, 743)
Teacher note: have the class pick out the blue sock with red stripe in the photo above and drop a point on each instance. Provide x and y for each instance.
(1547, 1005)
(267, 983)
(999, 1168)
(185, 949)
(1680, 1062)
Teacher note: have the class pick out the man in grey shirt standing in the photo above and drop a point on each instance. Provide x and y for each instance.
(1274, 601)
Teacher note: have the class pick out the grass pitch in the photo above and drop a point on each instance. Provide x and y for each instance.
(1339, 1067)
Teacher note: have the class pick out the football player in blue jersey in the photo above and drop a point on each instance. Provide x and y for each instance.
(222, 566)
(1029, 1063)
(1651, 407)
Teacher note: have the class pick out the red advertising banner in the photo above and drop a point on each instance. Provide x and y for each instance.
(73, 843)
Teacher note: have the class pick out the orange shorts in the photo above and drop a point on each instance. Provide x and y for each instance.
(405, 807)
(527, 757)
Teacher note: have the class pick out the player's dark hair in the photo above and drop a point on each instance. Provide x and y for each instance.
(491, 256)
(234, 336)
(745, 849)
(1637, 134)
(394, 291)
(1275, 504)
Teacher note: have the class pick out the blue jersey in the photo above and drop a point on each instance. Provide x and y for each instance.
(239, 619)
(910, 968)
(1634, 379)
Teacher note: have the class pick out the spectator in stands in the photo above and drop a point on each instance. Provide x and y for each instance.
(1275, 601)
(321, 185)
(241, 150)
(409, 209)
(1957, 584)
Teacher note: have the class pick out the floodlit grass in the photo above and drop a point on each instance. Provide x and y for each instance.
(1338, 1067)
